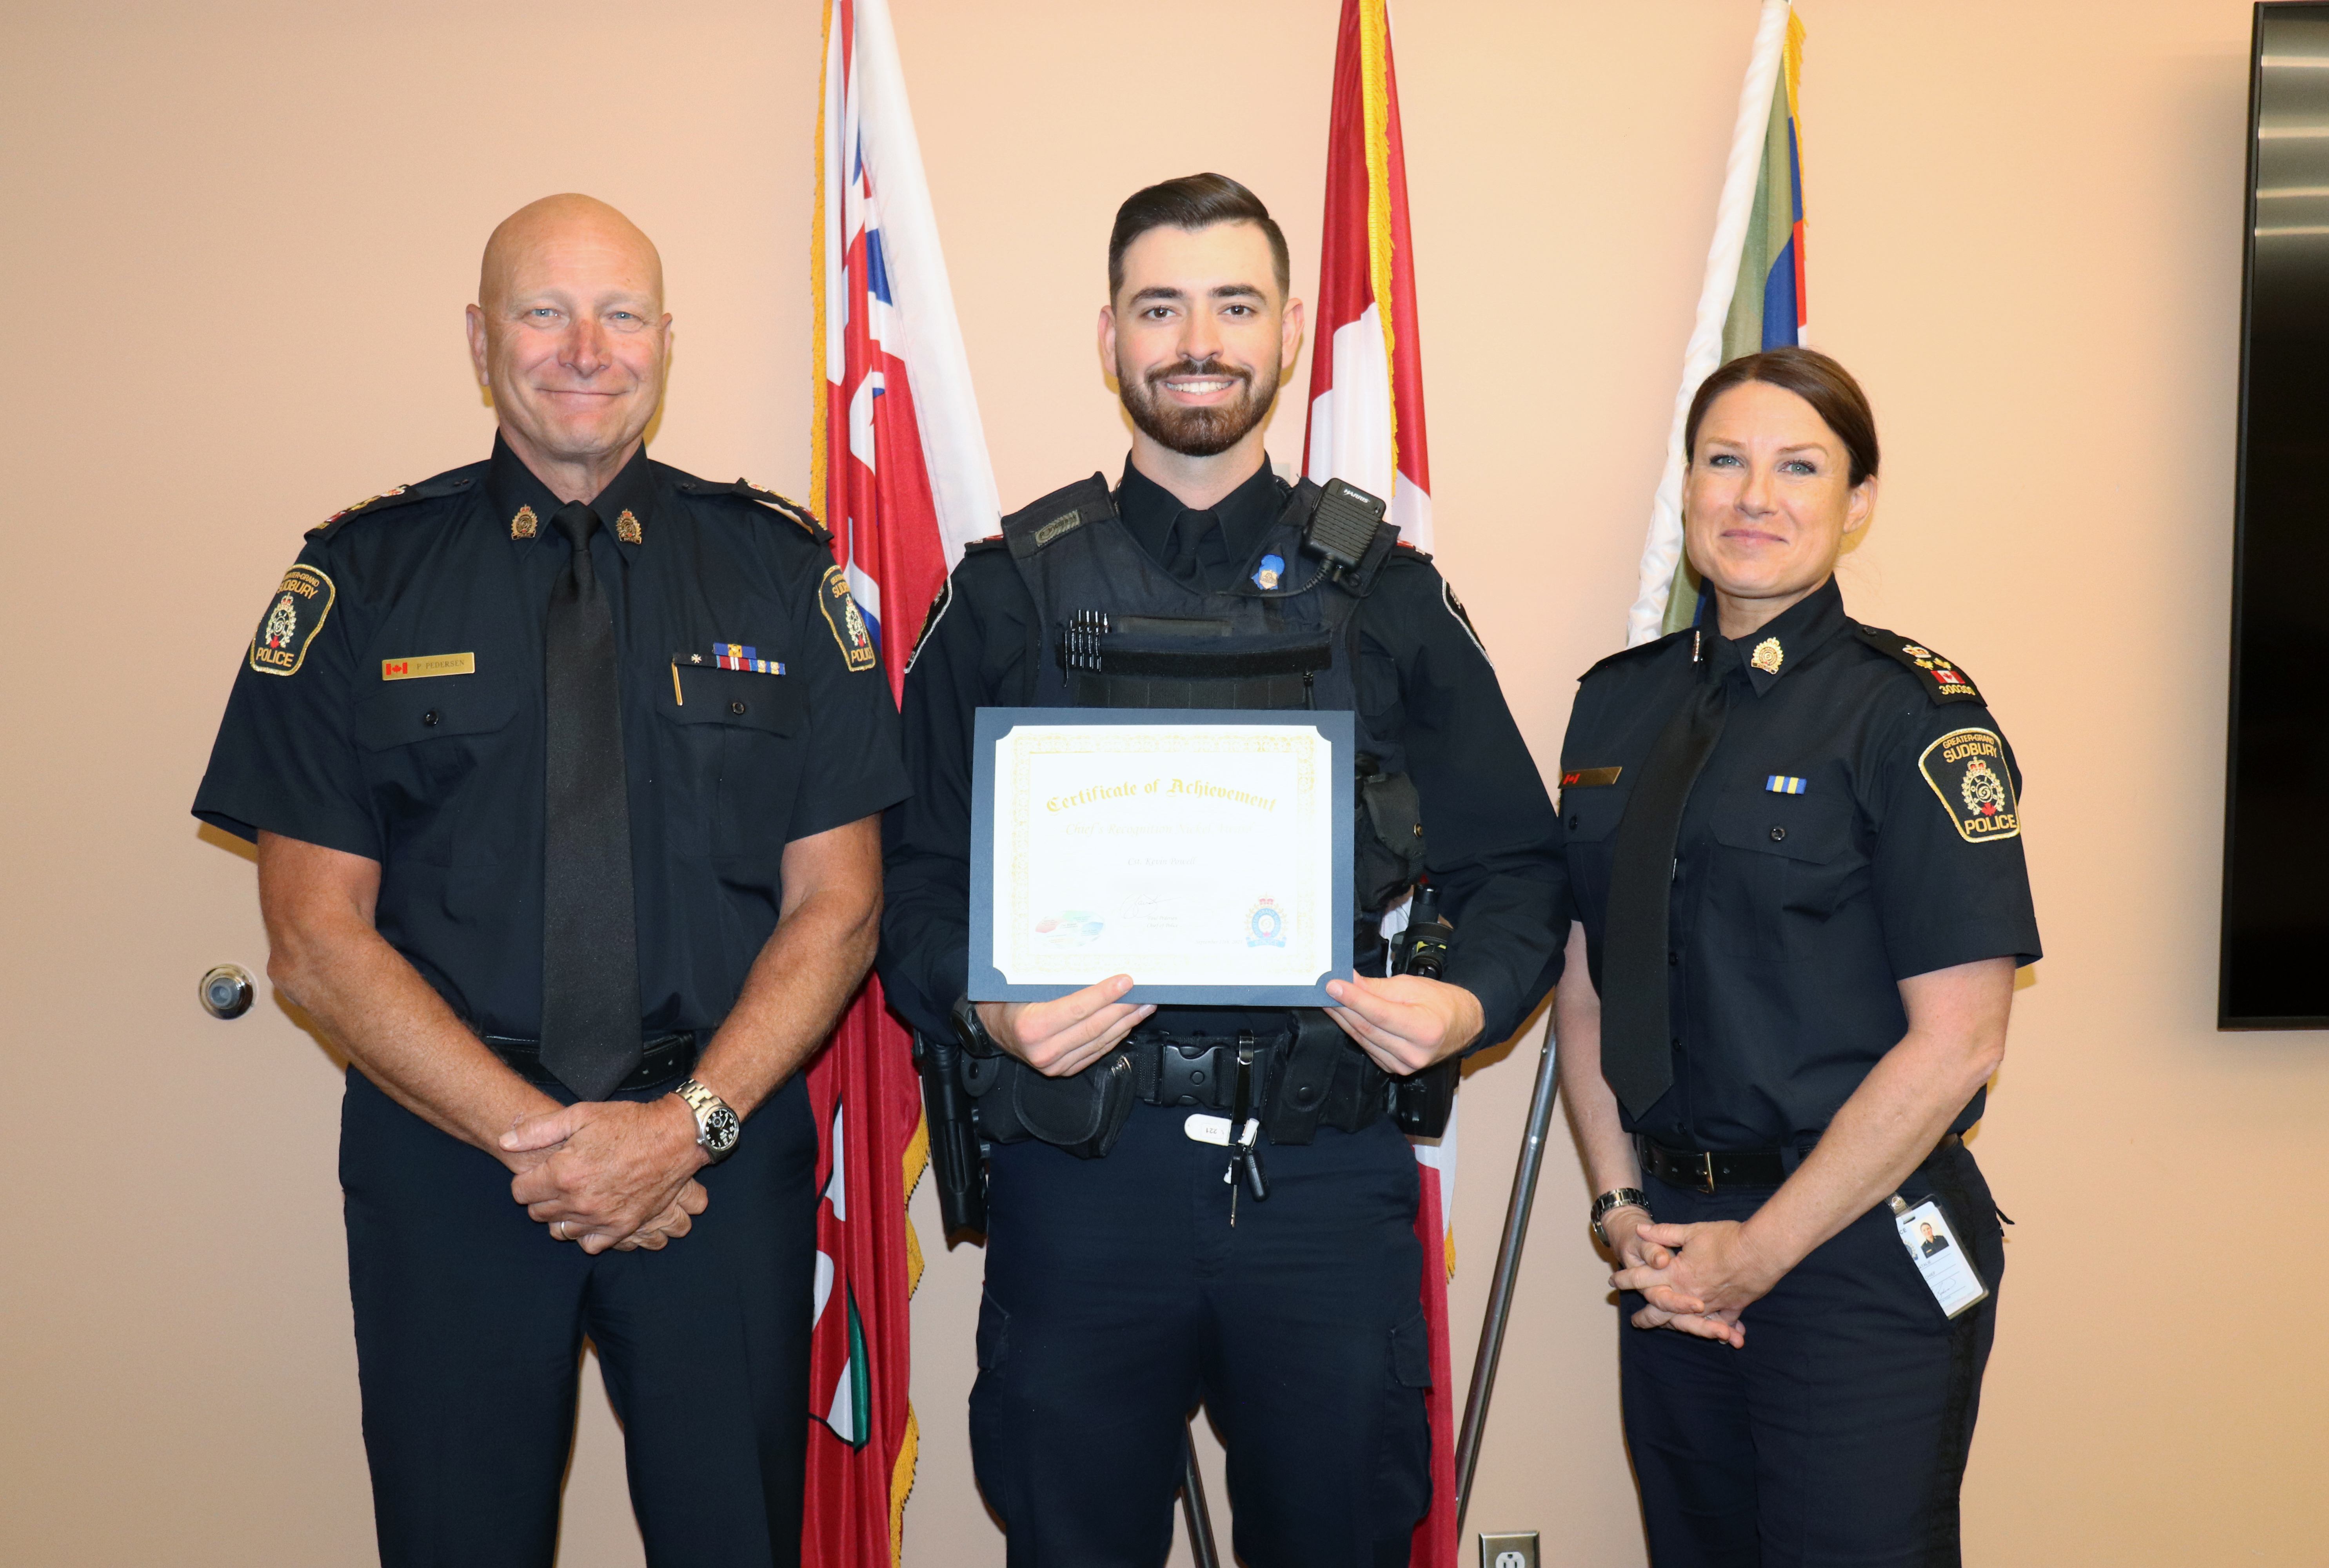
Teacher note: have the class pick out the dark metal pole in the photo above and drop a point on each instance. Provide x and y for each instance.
(1194, 1512)
(1500, 1292)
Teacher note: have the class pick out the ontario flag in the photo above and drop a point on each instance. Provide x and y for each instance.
(1366, 428)
(899, 472)
(1753, 297)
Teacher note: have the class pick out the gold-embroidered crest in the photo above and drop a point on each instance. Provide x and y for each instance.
(303, 603)
(1768, 656)
(626, 528)
(849, 633)
(524, 525)
(1966, 770)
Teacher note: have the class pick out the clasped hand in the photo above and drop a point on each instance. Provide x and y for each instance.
(1697, 1278)
(609, 1173)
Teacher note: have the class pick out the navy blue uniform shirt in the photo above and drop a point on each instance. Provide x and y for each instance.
(1494, 839)
(390, 705)
(1849, 831)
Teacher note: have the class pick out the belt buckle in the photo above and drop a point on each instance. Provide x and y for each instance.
(1701, 1172)
(1183, 1079)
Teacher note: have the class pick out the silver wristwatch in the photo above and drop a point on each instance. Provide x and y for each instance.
(717, 1127)
(1611, 1201)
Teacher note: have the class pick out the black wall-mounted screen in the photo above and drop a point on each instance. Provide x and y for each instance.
(2275, 965)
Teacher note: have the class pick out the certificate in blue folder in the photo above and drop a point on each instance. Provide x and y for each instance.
(1204, 852)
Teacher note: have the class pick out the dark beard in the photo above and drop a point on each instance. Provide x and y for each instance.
(1196, 432)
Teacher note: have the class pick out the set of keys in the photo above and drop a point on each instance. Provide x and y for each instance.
(1238, 1132)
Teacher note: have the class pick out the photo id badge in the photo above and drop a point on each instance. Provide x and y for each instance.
(1933, 1247)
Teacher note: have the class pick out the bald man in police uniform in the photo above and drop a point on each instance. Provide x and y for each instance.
(565, 770)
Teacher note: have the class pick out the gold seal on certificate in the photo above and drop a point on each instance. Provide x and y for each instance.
(1207, 854)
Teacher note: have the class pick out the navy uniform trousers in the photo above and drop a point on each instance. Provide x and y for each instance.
(1837, 1437)
(1118, 1295)
(469, 1325)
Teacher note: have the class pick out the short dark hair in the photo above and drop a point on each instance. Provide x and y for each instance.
(1193, 201)
(1810, 375)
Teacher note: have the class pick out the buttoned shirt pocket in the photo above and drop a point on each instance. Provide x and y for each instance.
(1589, 815)
(437, 758)
(740, 734)
(1781, 865)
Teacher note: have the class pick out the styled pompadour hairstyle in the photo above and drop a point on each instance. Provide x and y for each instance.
(1193, 201)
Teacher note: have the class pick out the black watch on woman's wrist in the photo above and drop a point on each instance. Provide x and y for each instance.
(971, 1030)
(1615, 1199)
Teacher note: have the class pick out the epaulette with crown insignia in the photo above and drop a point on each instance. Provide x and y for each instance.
(765, 498)
(1944, 682)
(445, 484)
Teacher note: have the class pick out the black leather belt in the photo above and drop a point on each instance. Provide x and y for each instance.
(1723, 1171)
(665, 1059)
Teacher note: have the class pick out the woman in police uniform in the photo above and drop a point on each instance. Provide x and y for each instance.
(1800, 899)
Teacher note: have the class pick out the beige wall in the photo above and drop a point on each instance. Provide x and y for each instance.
(239, 237)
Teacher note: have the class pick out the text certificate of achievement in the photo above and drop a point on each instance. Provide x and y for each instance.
(1205, 853)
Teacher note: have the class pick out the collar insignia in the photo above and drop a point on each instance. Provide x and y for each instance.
(626, 528)
(1266, 575)
(1768, 656)
(524, 525)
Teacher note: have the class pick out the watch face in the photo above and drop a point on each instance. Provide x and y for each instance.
(720, 1130)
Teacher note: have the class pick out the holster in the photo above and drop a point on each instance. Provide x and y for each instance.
(1083, 1114)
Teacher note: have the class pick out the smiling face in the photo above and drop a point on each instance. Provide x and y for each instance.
(1198, 336)
(1769, 503)
(569, 333)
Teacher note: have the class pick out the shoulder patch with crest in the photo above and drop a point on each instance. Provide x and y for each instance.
(1967, 772)
(301, 604)
(1944, 682)
(849, 633)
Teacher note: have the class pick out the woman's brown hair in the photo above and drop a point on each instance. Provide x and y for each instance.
(1810, 375)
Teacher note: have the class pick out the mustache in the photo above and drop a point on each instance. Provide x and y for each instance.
(1209, 367)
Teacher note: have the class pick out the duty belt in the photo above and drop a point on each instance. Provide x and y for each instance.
(1200, 1070)
(663, 1059)
(1711, 1170)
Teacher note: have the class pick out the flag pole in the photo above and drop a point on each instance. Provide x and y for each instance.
(1644, 621)
(1508, 1266)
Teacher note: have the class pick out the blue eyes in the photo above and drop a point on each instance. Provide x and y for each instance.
(1797, 465)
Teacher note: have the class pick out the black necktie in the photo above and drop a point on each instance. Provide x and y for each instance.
(590, 932)
(1180, 557)
(1637, 1038)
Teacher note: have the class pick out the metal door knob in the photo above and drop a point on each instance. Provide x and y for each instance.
(226, 992)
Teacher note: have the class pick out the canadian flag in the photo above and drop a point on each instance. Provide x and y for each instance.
(899, 472)
(1366, 367)
(1366, 428)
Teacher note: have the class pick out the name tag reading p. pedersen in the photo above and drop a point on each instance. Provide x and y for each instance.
(1933, 1247)
(420, 666)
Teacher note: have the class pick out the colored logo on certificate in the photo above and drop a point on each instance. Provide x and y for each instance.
(1072, 928)
(1265, 925)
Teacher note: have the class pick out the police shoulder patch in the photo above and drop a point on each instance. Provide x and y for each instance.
(301, 604)
(1967, 772)
(1944, 682)
(849, 633)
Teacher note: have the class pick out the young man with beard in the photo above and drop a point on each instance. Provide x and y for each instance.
(1118, 1293)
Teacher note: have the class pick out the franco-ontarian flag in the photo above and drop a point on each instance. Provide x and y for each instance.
(1753, 296)
(1366, 362)
(1366, 428)
(899, 472)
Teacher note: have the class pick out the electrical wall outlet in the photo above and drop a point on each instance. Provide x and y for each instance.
(1517, 1551)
